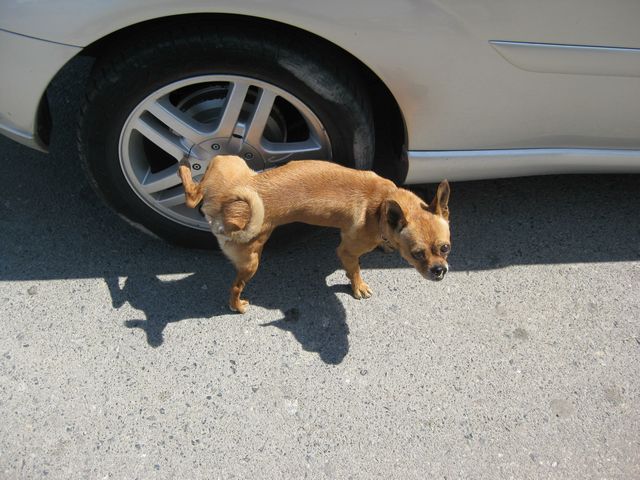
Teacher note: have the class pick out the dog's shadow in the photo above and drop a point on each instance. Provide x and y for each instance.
(162, 301)
(313, 314)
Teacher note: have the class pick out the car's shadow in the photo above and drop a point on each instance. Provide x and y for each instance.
(52, 226)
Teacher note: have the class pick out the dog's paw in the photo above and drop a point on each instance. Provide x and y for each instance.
(184, 162)
(240, 306)
(361, 291)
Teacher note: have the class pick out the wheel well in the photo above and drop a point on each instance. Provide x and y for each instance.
(391, 143)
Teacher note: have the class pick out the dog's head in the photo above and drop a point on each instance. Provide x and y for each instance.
(420, 232)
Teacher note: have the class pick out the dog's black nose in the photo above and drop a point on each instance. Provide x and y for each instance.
(438, 271)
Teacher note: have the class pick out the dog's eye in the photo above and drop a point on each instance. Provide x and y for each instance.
(418, 255)
(444, 249)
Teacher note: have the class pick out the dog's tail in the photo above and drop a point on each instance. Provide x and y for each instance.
(253, 226)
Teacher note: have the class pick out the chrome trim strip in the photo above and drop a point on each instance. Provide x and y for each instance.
(433, 166)
(570, 59)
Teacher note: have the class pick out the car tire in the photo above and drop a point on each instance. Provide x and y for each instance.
(305, 78)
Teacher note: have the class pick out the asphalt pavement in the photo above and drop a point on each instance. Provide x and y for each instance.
(119, 358)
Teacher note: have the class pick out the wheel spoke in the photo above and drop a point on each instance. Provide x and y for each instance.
(258, 121)
(172, 200)
(276, 153)
(178, 121)
(235, 99)
(153, 130)
(162, 180)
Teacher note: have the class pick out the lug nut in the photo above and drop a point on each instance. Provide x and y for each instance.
(248, 156)
(215, 146)
(196, 166)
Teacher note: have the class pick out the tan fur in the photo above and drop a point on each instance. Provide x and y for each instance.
(244, 207)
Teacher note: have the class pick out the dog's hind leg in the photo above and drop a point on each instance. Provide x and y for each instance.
(246, 258)
(192, 190)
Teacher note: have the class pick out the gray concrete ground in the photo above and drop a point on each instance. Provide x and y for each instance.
(119, 359)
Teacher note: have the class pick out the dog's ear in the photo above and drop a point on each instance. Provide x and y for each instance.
(440, 203)
(394, 215)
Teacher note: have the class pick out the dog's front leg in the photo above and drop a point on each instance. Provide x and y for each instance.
(349, 252)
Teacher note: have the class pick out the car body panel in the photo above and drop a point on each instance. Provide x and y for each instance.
(454, 89)
(28, 65)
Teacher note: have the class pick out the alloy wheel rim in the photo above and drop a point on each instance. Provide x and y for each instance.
(209, 115)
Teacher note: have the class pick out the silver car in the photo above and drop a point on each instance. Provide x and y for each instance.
(418, 90)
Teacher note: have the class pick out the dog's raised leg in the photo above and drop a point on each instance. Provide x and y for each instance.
(192, 192)
(349, 252)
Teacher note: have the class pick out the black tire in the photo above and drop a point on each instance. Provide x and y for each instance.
(131, 71)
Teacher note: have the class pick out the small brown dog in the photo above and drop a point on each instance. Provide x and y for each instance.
(243, 208)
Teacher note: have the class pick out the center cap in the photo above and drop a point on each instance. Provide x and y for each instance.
(202, 153)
